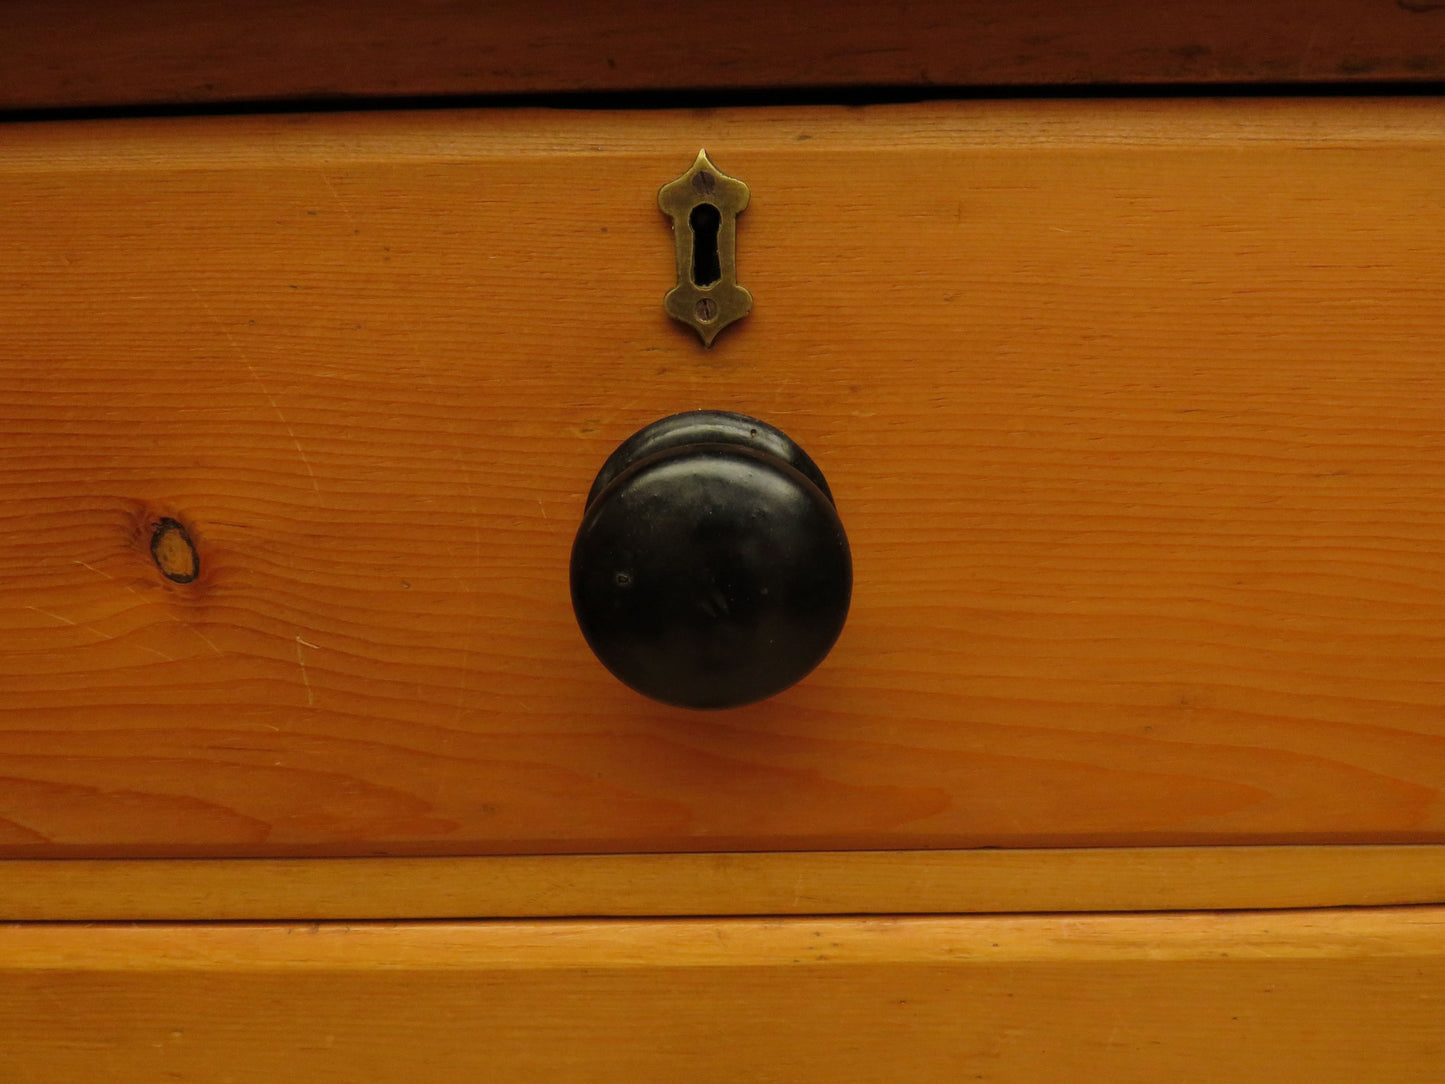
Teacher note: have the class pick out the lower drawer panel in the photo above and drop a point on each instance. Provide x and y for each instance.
(1319, 996)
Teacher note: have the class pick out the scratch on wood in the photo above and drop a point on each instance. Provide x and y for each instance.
(279, 412)
(153, 651)
(260, 384)
(68, 621)
(57, 617)
(107, 575)
(305, 678)
(100, 636)
(203, 637)
(339, 201)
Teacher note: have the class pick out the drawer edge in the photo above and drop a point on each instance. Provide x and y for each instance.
(781, 883)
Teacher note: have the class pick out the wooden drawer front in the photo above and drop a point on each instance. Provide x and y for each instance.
(1310, 996)
(1133, 413)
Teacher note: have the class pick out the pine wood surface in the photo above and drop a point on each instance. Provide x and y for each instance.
(88, 53)
(781, 883)
(1132, 411)
(1348, 997)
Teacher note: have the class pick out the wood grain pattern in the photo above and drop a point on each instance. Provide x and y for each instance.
(1348, 997)
(84, 52)
(796, 883)
(1131, 409)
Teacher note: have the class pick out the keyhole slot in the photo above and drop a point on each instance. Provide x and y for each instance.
(705, 221)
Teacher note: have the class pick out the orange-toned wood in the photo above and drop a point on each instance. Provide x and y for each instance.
(87, 52)
(796, 883)
(1132, 411)
(1344, 997)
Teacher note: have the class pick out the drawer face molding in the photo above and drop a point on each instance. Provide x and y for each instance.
(1133, 411)
(1337, 997)
(994, 880)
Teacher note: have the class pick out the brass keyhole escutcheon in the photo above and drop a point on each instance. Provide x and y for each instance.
(704, 204)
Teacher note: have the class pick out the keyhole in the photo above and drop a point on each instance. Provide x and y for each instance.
(705, 221)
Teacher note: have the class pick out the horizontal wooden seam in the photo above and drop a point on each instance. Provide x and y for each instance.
(803, 883)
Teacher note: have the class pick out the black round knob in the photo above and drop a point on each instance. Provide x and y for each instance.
(711, 569)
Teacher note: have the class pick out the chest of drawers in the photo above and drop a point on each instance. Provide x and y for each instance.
(1131, 409)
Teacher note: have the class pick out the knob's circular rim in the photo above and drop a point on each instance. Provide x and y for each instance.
(694, 427)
